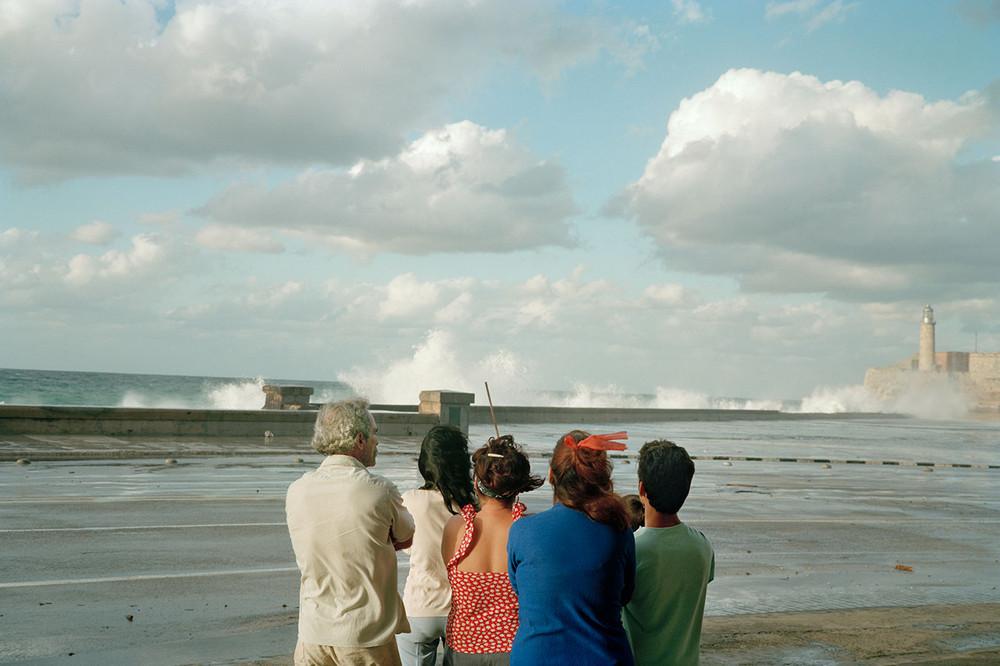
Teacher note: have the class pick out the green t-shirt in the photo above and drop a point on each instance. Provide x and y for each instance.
(673, 568)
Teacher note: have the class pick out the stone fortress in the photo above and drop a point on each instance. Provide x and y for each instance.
(976, 375)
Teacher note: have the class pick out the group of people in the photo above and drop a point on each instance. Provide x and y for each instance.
(573, 584)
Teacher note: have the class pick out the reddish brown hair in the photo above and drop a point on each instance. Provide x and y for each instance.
(582, 480)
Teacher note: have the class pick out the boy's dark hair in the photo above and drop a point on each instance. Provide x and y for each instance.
(666, 470)
(636, 511)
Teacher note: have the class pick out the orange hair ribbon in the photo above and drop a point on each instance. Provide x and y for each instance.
(598, 442)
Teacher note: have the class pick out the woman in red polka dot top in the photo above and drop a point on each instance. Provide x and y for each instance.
(483, 617)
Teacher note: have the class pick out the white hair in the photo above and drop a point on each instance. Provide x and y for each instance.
(338, 425)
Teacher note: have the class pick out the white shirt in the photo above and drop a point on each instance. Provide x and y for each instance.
(340, 518)
(427, 592)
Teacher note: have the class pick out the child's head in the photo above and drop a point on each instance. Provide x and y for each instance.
(665, 471)
(502, 471)
(581, 479)
(636, 511)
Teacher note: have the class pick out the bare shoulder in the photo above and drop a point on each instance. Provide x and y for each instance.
(449, 538)
(454, 525)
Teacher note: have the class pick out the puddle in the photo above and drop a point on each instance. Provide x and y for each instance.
(972, 642)
(815, 654)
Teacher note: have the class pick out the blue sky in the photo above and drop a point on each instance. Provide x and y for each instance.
(401, 195)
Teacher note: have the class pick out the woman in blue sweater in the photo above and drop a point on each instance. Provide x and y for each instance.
(573, 566)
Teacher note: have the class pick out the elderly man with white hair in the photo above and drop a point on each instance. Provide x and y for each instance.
(346, 524)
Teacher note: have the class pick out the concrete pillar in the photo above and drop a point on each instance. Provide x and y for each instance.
(925, 361)
(286, 397)
(451, 407)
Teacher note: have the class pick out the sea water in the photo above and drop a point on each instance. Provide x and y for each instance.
(104, 389)
(108, 389)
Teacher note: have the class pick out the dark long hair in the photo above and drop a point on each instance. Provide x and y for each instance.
(503, 470)
(444, 464)
(582, 480)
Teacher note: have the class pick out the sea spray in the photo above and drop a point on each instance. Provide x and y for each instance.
(248, 394)
(924, 395)
(840, 399)
(435, 363)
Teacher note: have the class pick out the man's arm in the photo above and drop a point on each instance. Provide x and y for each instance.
(402, 527)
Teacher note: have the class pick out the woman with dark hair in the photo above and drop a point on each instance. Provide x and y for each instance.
(573, 566)
(483, 617)
(444, 465)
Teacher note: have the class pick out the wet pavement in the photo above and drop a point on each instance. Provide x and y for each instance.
(138, 561)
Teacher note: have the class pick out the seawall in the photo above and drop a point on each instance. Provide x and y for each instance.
(480, 415)
(202, 423)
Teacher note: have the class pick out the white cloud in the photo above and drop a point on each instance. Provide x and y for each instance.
(405, 296)
(91, 87)
(95, 233)
(229, 237)
(457, 311)
(791, 184)
(777, 9)
(819, 14)
(146, 254)
(666, 294)
(689, 11)
(459, 188)
(160, 218)
(13, 235)
(835, 11)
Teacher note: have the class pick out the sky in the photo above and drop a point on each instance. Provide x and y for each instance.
(747, 199)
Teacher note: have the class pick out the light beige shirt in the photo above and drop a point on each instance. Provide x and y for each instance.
(427, 592)
(340, 518)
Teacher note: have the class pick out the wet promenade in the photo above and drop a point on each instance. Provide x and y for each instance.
(138, 561)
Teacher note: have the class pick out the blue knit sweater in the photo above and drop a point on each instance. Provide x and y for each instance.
(572, 576)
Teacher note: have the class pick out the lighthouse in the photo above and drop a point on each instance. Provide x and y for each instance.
(925, 362)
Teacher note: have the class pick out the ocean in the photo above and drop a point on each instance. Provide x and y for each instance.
(112, 389)
(108, 389)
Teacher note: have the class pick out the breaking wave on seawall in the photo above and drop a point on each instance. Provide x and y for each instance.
(435, 362)
(235, 394)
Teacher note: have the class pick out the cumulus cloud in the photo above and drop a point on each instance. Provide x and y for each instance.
(459, 188)
(228, 237)
(95, 233)
(405, 296)
(90, 87)
(146, 253)
(792, 184)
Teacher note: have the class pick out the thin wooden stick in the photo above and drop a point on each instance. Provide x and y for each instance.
(492, 414)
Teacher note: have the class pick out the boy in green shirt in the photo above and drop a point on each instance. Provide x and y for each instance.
(674, 563)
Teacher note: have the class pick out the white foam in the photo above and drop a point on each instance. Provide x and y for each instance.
(134, 398)
(434, 364)
(928, 396)
(248, 394)
(239, 394)
(840, 399)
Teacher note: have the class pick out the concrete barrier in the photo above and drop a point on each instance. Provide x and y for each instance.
(480, 415)
(143, 422)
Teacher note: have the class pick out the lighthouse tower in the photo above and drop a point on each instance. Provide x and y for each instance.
(925, 362)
